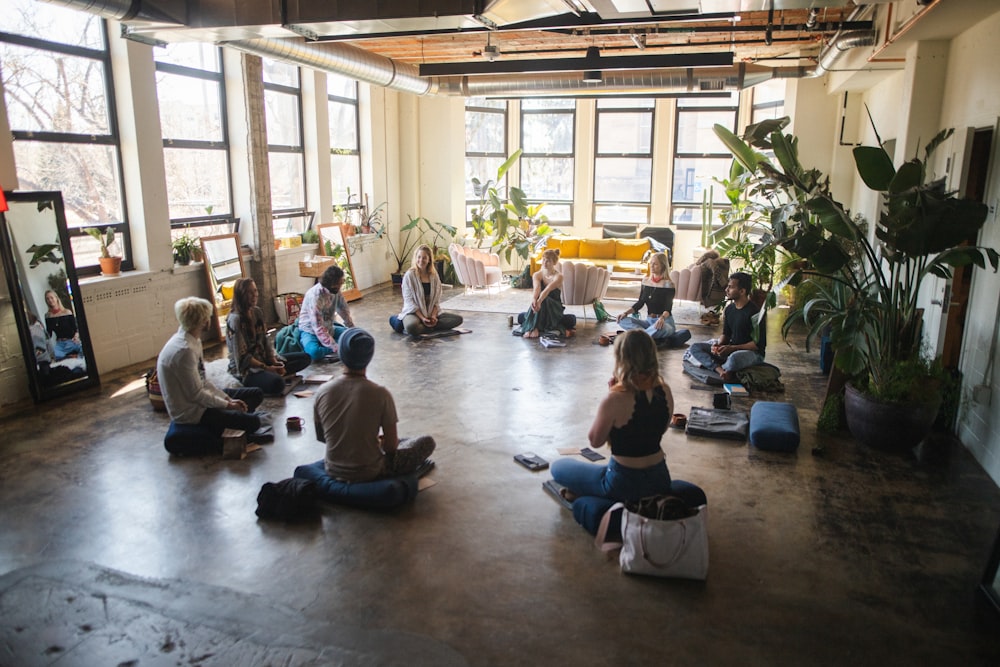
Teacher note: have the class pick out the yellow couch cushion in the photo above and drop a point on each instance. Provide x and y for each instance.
(568, 247)
(631, 251)
(597, 248)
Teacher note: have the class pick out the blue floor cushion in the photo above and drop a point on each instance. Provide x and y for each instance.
(192, 440)
(774, 426)
(379, 494)
(588, 510)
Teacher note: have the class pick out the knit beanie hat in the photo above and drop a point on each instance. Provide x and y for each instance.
(356, 348)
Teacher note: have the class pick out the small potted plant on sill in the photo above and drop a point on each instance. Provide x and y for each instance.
(111, 265)
(185, 249)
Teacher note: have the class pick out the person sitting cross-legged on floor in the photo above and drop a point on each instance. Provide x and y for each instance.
(657, 294)
(632, 418)
(422, 296)
(351, 410)
(189, 397)
(252, 359)
(319, 330)
(739, 346)
(546, 310)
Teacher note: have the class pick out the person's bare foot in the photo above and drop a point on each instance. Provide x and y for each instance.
(567, 494)
(531, 334)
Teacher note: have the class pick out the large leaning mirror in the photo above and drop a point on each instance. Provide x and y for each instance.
(223, 266)
(331, 244)
(45, 295)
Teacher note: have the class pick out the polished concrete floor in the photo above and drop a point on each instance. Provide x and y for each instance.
(849, 557)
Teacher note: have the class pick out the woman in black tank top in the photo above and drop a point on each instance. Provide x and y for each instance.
(633, 418)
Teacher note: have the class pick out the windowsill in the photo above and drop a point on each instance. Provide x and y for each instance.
(304, 249)
(188, 268)
(101, 278)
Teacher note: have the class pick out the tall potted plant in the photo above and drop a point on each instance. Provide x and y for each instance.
(866, 290)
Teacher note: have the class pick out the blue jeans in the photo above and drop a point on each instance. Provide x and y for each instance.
(614, 481)
(66, 346)
(316, 349)
(649, 325)
(737, 361)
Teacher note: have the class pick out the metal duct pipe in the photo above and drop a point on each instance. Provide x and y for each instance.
(340, 59)
(842, 42)
(120, 10)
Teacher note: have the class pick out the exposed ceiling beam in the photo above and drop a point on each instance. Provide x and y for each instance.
(589, 63)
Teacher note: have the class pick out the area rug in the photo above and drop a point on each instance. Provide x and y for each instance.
(511, 301)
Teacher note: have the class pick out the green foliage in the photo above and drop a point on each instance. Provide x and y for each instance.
(310, 236)
(420, 230)
(185, 247)
(514, 225)
(831, 417)
(45, 252)
(865, 291)
(105, 238)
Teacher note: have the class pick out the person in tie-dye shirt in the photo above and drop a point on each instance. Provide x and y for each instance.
(318, 326)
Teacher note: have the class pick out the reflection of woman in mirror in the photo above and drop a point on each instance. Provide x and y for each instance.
(421, 297)
(41, 342)
(252, 359)
(60, 321)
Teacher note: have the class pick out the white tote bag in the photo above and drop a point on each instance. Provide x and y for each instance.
(677, 548)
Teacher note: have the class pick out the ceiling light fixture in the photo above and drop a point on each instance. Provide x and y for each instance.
(593, 59)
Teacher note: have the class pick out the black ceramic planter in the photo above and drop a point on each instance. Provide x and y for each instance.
(894, 427)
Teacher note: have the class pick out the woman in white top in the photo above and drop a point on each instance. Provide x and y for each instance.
(422, 297)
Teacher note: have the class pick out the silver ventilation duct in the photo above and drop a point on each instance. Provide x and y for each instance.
(173, 12)
(843, 42)
(340, 59)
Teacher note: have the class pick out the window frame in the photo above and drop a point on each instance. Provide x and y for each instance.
(647, 206)
(286, 149)
(571, 155)
(723, 157)
(123, 234)
(226, 223)
(502, 155)
(355, 152)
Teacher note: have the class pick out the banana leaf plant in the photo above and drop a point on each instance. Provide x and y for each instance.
(865, 289)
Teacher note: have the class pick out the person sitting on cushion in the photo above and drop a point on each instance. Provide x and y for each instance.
(421, 297)
(189, 397)
(657, 294)
(738, 347)
(252, 359)
(350, 412)
(319, 330)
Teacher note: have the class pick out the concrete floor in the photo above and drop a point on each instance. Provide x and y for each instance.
(853, 557)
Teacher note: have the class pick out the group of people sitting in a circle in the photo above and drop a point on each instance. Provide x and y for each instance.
(356, 418)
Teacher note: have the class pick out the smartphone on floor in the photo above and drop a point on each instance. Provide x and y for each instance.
(532, 461)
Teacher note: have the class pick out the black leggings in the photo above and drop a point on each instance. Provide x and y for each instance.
(219, 419)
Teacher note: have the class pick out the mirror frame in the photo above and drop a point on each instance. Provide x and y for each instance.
(350, 289)
(220, 304)
(15, 268)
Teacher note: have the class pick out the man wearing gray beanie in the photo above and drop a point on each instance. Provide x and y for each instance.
(351, 410)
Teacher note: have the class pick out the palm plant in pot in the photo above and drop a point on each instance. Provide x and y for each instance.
(865, 290)
(111, 265)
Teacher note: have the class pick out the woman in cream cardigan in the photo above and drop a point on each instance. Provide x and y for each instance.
(422, 297)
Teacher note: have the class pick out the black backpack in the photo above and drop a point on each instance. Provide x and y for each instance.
(290, 499)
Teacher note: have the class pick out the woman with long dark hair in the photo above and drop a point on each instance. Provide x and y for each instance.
(252, 359)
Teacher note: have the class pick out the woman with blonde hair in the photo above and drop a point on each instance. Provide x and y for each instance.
(657, 295)
(421, 311)
(632, 418)
(252, 359)
(546, 311)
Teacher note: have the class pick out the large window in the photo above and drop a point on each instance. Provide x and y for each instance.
(700, 157)
(286, 157)
(547, 163)
(345, 156)
(190, 90)
(623, 163)
(485, 143)
(60, 105)
(768, 100)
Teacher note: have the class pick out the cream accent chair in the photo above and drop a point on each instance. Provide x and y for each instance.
(475, 268)
(583, 284)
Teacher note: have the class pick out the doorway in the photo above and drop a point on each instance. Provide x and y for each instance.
(956, 303)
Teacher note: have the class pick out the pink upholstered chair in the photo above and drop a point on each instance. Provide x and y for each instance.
(475, 268)
(583, 284)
